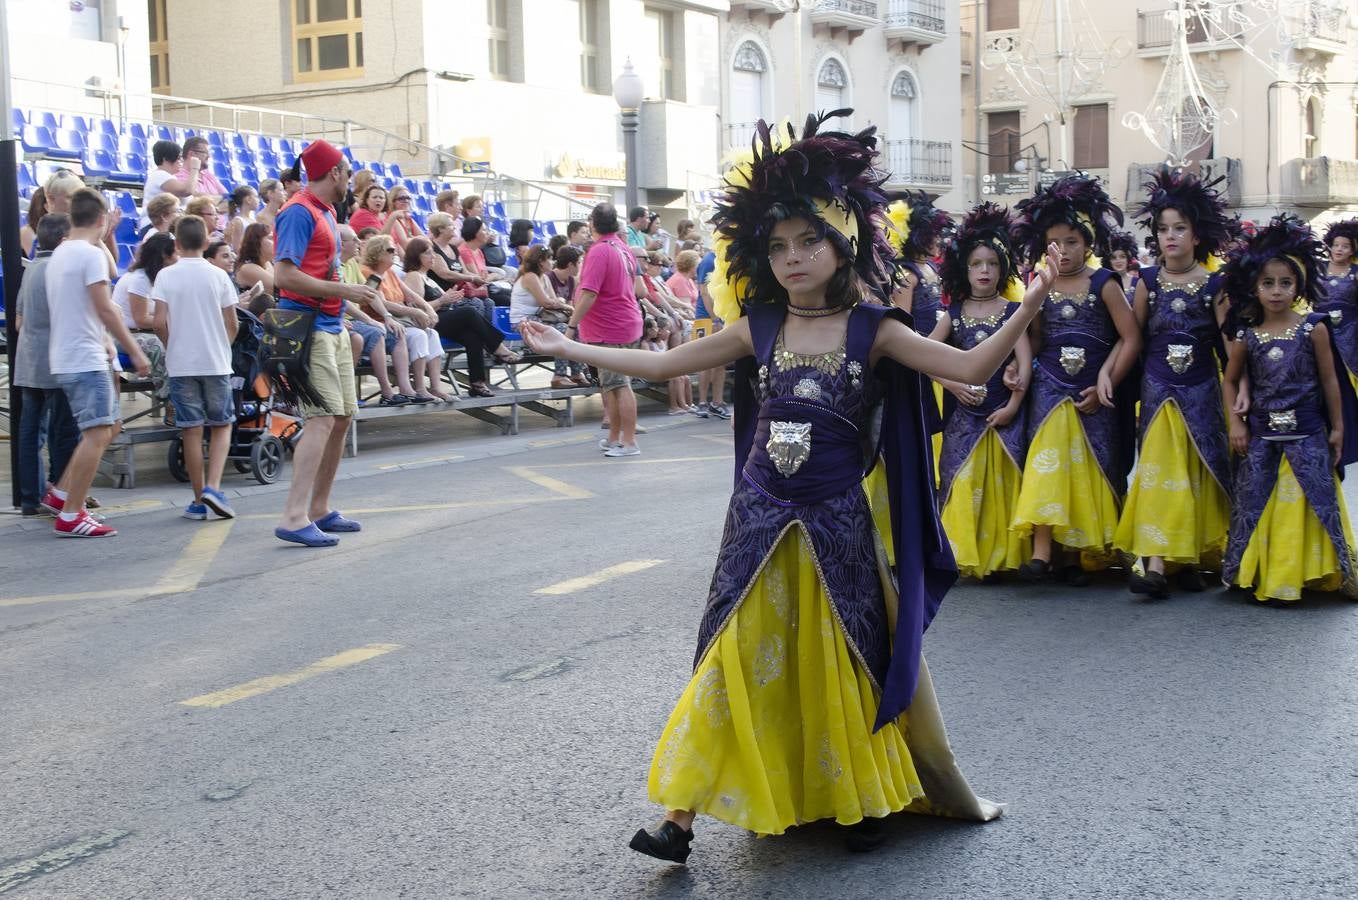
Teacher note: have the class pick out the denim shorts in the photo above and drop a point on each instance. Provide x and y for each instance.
(92, 396)
(371, 334)
(202, 400)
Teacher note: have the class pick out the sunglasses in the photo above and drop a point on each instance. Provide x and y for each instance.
(401, 199)
(389, 250)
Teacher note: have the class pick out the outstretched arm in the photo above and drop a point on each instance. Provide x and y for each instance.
(727, 345)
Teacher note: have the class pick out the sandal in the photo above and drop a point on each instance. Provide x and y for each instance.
(509, 358)
(480, 390)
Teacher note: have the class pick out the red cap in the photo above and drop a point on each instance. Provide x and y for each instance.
(319, 158)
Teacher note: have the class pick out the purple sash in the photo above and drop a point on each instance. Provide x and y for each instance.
(803, 453)
(1179, 358)
(1073, 360)
(1306, 418)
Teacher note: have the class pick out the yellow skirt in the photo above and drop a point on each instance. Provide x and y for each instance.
(979, 508)
(1064, 487)
(775, 727)
(1289, 549)
(938, 438)
(874, 485)
(1175, 508)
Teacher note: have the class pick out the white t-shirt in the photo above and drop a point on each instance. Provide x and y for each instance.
(134, 282)
(76, 342)
(155, 181)
(195, 292)
(521, 302)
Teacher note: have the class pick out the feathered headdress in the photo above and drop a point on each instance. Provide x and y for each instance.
(1345, 228)
(987, 225)
(1078, 201)
(1121, 240)
(1197, 201)
(826, 177)
(915, 224)
(1287, 238)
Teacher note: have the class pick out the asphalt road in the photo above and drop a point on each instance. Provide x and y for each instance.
(431, 724)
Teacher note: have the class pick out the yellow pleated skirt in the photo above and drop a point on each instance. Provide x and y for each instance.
(1064, 487)
(981, 503)
(938, 438)
(1174, 508)
(875, 487)
(1290, 550)
(775, 727)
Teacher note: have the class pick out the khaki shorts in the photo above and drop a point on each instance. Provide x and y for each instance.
(332, 376)
(610, 380)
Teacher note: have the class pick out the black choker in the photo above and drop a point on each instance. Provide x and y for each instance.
(813, 312)
(983, 299)
(1169, 271)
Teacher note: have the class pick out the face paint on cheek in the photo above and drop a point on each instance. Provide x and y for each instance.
(817, 252)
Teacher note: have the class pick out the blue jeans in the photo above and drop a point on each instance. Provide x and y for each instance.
(42, 406)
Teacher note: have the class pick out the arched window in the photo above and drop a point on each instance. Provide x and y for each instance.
(749, 70)
(902, 121)
(832, 86)
(1311, 136)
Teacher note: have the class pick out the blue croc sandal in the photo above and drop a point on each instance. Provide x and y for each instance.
(310, 536)
(334, 522)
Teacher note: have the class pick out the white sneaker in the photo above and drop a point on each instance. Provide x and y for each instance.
(605, 444)
(622, 450)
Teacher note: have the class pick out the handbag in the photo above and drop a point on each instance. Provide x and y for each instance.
(494, 255)
(285, 354)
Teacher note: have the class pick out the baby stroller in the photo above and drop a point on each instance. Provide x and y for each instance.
(262, 431)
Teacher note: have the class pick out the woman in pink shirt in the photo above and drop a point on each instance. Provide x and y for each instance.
(476, 235)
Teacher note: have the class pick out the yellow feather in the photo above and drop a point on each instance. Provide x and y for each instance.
(726, 295)
(898, 230)
(1213, 263)
(1013, 292)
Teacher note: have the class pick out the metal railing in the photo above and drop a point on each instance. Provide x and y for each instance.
(739, 134)
(919, 162)
(1322, 19)
(864, 8)
(926, 15)
(1156, 30)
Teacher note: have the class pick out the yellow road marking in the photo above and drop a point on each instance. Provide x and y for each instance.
(561, 488)
(274, 682)
(61, 598)
(571, 585)
(416, 462)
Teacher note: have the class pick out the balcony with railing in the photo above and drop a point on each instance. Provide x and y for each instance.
(915, 163)
(1320, 182)
(739, 134)
(853, 16)
(1317, 26)
(1215, 29)
(968, 40)
(919, 22)
(771, 8)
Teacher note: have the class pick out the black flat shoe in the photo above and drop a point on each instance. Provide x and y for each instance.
(1152, 584)
(668, 842)
(1075, 576)
(1191, 580)
(1035, 571)
(865, 836)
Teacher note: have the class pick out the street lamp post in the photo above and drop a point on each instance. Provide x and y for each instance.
(627, 92)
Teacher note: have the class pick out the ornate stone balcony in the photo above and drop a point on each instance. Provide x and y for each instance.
(921, 23)
(1320, 182)
(853, 16)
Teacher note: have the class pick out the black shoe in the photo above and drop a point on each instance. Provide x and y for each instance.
(1035, 571)
(1075, 576)
(417, 399)
(1191, 580)
(865, 836)
(668, 842)
(1153, 584)
(29, 512)
(394, 400)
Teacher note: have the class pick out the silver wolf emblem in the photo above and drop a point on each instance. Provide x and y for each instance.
(789, 445)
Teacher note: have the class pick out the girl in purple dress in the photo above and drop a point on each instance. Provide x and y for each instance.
(984, 434)
(1178, 506)
(1122, 252)
(1086, 342)
(809, 698)
(916, 234)
(1341, 291)
(1289, 529)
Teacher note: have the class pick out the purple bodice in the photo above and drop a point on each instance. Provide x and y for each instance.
(926, 303)
(1284, 380)
(1341, 305)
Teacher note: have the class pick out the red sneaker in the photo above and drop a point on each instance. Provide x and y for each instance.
(51, 502)
(86, 526)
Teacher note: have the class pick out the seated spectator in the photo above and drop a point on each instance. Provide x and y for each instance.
(381, 337)
(475, 236)
(28, 235)
(162, 212)
(371, 211)
(254, 262)
(272, 196)
(473, 207)
(418, 263)
(365, 233)
(205, 208)
(219, 254)
(639, 223)
(132, 295)
(241, 213)
(163, 178)
(688, 235)
(447, 202)
(448, 271)
(520, 236)
(196, 164)
(577, 235)
(555, 243)
(650, 340)
(362, 180)
(656, 234)
(532, 298)
(59, 190)
(402, 222)
(378, 267)
(565, 273)
(675, 327)
(291, 178)
(682, 285)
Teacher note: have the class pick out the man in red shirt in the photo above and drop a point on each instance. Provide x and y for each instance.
(306, 277)
(607, 314)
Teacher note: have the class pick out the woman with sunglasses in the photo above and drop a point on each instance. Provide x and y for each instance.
(400, 223)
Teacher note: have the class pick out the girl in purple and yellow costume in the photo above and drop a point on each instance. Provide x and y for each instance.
(1086, 343)
(1341, 291)
(1178, 507)
(809, 697)
(985, 430)
(1122, 252)
(1289, 528)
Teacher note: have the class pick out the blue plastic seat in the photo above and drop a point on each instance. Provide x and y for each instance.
(394, 170)
(502, 321)
(27, 183)
(97, 163)
(98, 140)
(126, 254)
(420, 220)
(129, 144)
(125, 202)
(75, 123)
(133, 162)
(215, 139)
(36, 140)
(19, 119)
(285, 145)
(267, 159)
(44, 118)
(106, 126)
(127, 227)
(498, 208)
(550, 228)
(166, 133)
(137, 130)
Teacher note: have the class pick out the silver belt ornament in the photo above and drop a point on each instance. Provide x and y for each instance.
(1179, 357)
(1283, 421)
(789, 446)
(1073, 359)
(1336, 316)
(980, 390)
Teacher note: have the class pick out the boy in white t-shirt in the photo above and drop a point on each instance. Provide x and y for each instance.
(83, 314)
(196, 319)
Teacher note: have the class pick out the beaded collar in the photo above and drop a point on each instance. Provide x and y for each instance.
(826, 363)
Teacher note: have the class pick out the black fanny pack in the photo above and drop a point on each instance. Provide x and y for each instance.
(285, 354)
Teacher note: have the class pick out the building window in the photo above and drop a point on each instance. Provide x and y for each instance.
(160, 46)
(901, 122)
(1003, 142)
(497, 37)
(589, 45)
(1311, 135)
(1001, 15)
(746, 103)
(1091, 137)
(832, 88)
(662, 34)
(328, 39)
